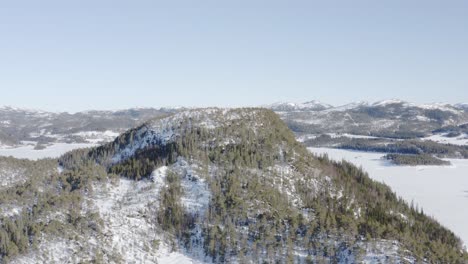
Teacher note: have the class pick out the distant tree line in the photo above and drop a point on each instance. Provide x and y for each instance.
(414, 160)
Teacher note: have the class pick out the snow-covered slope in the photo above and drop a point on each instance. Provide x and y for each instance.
(307, 106)
(18, 125)
(219, 185)
(463, 106)
(394, 118)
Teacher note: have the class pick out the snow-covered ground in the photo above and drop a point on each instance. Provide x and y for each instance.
(96, 137)
(442, 138)
(126, 209)
(53, 151)
(303, 138)
(442, 191)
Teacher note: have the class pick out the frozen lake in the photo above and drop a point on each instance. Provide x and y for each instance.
(442, 191)
(53, 151)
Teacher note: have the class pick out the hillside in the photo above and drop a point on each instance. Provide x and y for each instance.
(391, 126)
(213, 185)
(38, 127)
(390, 118)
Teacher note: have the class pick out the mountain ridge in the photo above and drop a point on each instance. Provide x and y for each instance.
(210, 186)
(43, 128)
(390, 118)
(215, 141)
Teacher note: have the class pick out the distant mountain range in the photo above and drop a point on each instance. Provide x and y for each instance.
(19, 125)
(389, 118)
(315, 105)
(307, 106)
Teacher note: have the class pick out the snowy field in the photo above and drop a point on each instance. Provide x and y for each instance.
(442, 191)
(442, 138)
(53, 151)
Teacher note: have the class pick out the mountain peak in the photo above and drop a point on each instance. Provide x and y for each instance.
(167, 129)
(390, 102)
(463, 106)
(312, 105)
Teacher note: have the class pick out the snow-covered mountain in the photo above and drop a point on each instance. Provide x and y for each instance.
(463, 106)
(211, 186)
(18, 125)
(307, 106)
(392, 118)
(318, 106)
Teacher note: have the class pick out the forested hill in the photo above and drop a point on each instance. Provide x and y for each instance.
(218, 185)
(389, 118)
(19, 125)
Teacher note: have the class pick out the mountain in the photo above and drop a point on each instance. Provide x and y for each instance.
(307, 106)
(389, 118)
(42, 128)
(212, 186)
(462, 106)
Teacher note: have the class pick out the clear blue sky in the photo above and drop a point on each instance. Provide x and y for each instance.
(75, 55)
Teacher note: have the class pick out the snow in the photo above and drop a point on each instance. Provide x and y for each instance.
(52, 151)
(440, 106)
(144, 137)
(347, 106)
(128, 207)
(422, 118)
(377, 251)
(93, 137)
(123, 209)
(165, 130)
(166, 256)
(336, 135)
(30, 111)
(442, 191)
(158, 176)
(389, 102)
(442, 138)
(305, 137)
(96, 137)
(10, 210)
(10, 176)
(196, 193)
(53, 250)
(128, 232)
(282, 107)
(463, 106)
(288, 106)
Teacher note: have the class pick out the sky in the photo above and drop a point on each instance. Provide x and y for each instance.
(78, 55)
